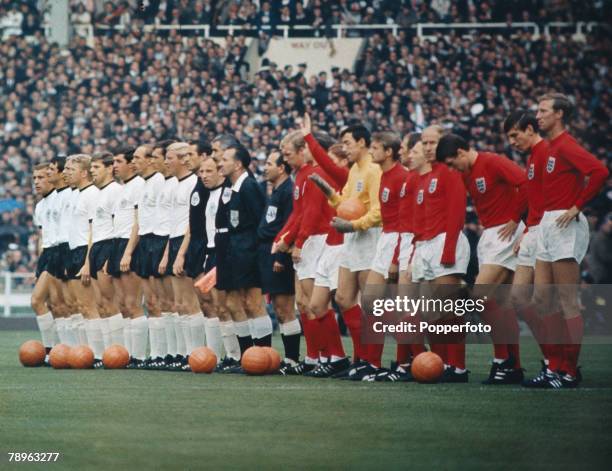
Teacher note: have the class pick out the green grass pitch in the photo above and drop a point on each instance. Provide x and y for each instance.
(165, 420)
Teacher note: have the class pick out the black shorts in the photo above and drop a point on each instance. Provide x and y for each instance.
(100, 253)
(76, 261)
(150, 252)
(210, 261)
(282, 282)
(114, 262)
(45, 261)
(237, 266)
(61, 257)
(173, 248)
(194, 258)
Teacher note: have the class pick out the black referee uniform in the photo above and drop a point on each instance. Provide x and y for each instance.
(240, 211)
(275, 216)
(196, 250)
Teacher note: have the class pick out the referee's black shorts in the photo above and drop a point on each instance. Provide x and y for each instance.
(239, 268)
(272, 282)
(195, 257)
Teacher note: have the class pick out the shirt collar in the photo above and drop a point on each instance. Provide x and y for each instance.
(236, 186)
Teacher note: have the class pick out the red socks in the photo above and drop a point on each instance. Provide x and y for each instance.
(456, 355)
(571, 350)
(310, 328)
(352, 319)
(330, 332)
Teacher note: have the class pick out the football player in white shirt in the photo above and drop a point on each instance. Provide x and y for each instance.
(178, 157)
(62, 213)
(80, 241)
(150, 248)
(41, 295)
(122, 263)
(103, 241)
(163, 283)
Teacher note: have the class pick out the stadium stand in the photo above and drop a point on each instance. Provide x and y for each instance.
(134, 86)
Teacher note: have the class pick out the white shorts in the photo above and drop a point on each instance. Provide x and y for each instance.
(385, 249)
(406, 249)
(528, 248)
(359, 249)
(555, 243)
(493, 251)
(327, 268)
(427, 254)
(311, 252)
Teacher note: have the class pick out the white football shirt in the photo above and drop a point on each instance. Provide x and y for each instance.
(148, 215)
(102, 226)
(180, 205)
(164, 207)
(211, 214)
(63, 204)
(82, 216)
(129, 198)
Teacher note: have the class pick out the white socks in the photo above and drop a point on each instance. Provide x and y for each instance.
(213, 335)
(169, 321)
(105, 327)
(230, 341)
(157, 337)
(127, 334)
(261, 327)
(242, 328)
(290, 328)
(116, 329)
(181, 347)
(48, 332)
(94, 336)
(140, 337)
(60, 324)
(197, 330)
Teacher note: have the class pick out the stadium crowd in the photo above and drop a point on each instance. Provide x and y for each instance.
(136, 87)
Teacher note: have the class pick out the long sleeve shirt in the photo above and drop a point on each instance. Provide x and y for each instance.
(535, 167)
(391, 183)
(363, 183)
(498, 189)
(563, 178)
(406, 202)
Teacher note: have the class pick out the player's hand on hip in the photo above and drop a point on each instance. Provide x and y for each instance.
(507, 230)
(567, 217)
(126, 261)
(342, 225)
(322, 184)
(517, 245)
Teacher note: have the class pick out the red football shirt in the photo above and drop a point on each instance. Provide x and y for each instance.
(498, 189)
(565, 170)
(406, 204)
(440, 202)
(391, 183)
(535, 166)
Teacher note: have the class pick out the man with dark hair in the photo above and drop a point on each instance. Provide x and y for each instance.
(571, 177)
(522, 130)
(122, 262)
(103, 240)
(361, 236)
(42, 296)
(78, 170)
(237, 271)
(150, 249)
(276, 270)
(497, 187)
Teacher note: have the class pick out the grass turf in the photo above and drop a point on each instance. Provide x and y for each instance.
(167, 420)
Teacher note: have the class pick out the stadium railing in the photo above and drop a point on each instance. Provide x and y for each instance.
(15, 293)
(578, 29)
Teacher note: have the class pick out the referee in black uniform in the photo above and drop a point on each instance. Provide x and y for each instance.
(276, 270)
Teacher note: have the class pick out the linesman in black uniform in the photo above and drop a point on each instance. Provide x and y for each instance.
(276, 270)
(237, 269)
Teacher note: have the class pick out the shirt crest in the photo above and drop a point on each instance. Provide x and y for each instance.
(550, 164)
(359, 186)
(420, 196)
(481, 184)
(195, 199)
(433, 184)
(531, 172)
(271, 214)
(234, 217)
(384, 196)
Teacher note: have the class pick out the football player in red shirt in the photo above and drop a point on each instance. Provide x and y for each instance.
(497, 187)
(571, 177)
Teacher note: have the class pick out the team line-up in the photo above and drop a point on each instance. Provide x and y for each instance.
(145, 224)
